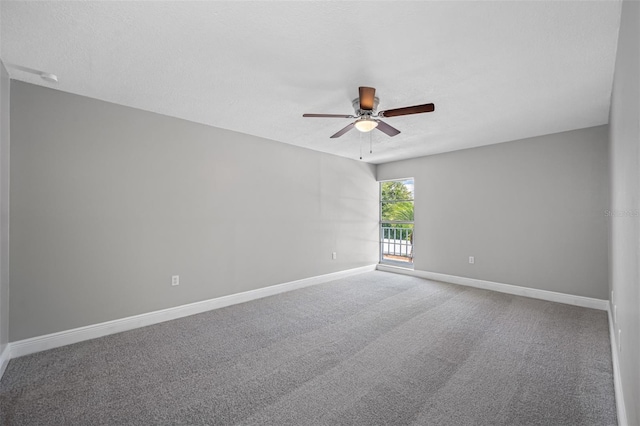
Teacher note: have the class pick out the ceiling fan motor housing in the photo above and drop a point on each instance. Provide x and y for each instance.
(364, 112)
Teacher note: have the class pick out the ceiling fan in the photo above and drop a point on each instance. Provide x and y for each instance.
(367, 117)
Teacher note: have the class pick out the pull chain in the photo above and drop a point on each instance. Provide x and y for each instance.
(370, 143)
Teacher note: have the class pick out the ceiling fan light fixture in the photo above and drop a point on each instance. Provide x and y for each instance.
(366, 125)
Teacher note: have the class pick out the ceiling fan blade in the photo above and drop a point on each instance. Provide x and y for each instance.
(385, 128)
(417, 109)
(329, 115)
(367, 97)
(344, 130)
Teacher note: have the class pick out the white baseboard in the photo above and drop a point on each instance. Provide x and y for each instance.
(55, 340)
(5, 355)
(552, 296)
(617, 378)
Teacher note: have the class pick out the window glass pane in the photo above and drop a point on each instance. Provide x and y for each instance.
(397, 190)
(396, 244)
(398, 231)
(397, 211)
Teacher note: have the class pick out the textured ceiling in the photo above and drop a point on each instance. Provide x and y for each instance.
(497, 71)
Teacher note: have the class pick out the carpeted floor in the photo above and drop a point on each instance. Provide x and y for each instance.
(372, 349)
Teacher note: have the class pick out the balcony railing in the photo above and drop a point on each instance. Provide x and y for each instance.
(396, 245)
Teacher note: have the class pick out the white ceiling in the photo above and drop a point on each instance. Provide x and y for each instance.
(496, 70)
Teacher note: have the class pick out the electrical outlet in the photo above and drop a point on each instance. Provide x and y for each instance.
(334, 255)
(472, 260)
(175, 280)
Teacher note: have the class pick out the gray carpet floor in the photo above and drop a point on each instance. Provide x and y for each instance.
(372, 349)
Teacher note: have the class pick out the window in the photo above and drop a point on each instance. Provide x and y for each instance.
(396, 222)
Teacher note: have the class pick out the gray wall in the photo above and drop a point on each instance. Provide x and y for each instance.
(530, 211)
(624, 126)
(4, 208)
(107, 202)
